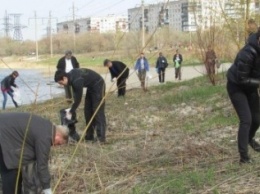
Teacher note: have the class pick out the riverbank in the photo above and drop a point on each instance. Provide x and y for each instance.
(180, 137)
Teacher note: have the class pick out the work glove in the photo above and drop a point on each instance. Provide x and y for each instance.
(47, 191)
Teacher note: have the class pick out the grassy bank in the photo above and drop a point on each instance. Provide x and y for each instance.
(95, 60)
(177, 138)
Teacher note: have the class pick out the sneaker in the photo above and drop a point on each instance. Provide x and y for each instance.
(255, 145)
(74, 136)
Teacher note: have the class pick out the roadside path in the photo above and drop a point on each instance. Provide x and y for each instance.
(188, 73)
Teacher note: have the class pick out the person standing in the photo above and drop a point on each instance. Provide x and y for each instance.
(161, 65)
(177, 60)
(119, 71)
(210, 62)
(142, 67)
(28, 137)
(6, 87)
(94, 100)
(67, 63)
(243, 89)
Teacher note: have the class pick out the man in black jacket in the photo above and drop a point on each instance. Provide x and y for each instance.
(161, 65)
(243, 89)
(119, 71)
(66, 64)
(94, 101)
(28, 137)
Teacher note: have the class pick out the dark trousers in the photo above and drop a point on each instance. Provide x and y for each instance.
(121, 86)
(246, 104)
(92, 102)
(161, 72)
(68, 92)
(178, 73)
(9, 178)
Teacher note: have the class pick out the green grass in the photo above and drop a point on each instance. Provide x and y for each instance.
(177, 183)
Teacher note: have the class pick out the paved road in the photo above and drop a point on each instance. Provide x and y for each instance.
(187, 73)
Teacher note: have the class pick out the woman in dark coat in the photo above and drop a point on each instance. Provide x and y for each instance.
(6, 84)
(243, 89)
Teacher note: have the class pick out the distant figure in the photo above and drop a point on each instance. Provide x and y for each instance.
(6, 84)
(210, 62)
(177, 60)
(142, 67)
(251, 28)
(161, 65)
(37, 135)
(120, 72)
(66, 64)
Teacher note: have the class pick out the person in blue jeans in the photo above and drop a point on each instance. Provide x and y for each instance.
(6, 84)
(142, 66)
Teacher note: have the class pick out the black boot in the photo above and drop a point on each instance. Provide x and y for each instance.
(255, 145)
(245, 159)
(74, 135)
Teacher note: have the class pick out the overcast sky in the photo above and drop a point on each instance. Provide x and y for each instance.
(62, 11)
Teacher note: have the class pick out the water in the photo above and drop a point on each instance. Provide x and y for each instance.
(30, 83)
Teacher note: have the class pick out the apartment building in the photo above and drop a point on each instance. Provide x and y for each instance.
(106, 24)
(186, 15)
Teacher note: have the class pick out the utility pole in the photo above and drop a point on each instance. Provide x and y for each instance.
(35, 18)
(74, 33)
(50, 31)
(143, 30)
(6, 24)
(36, 36)
(18, 36)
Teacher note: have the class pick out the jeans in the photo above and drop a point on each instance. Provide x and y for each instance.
(10, 93)
(246, 104)
(142, 76)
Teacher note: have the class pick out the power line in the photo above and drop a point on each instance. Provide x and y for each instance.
(7, 25)
(17, 27)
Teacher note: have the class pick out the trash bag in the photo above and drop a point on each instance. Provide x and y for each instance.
(66, 118)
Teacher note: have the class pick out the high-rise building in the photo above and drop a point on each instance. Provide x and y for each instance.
(186, 15)
(110, 23)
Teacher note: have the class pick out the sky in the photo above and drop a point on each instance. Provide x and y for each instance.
(61, 10)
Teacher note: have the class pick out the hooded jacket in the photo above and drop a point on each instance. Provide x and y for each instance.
(7, 82)
(245, 70)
